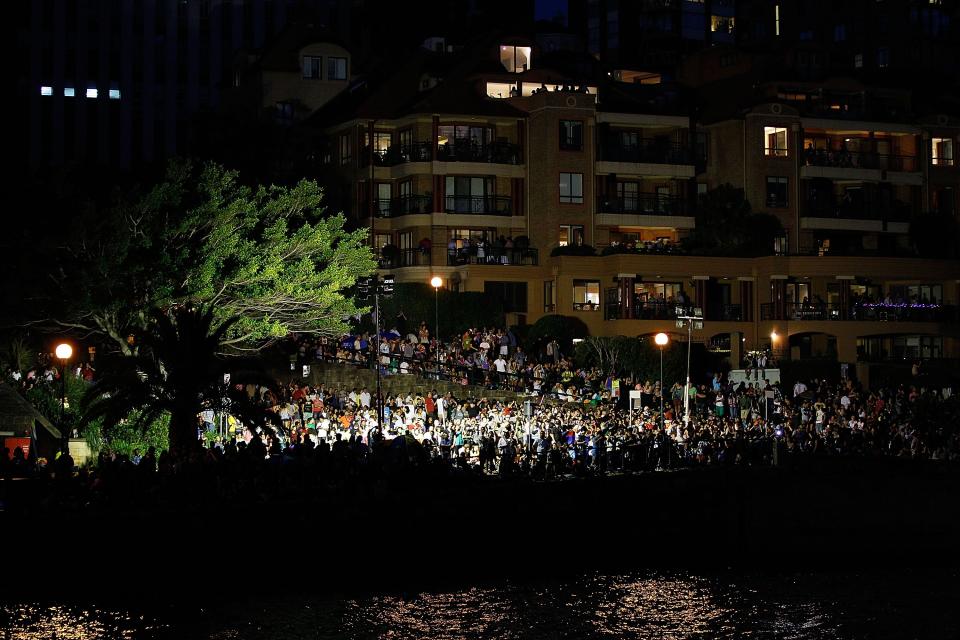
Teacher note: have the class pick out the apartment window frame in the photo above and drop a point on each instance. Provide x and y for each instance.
(312, 68)
(334, 70)
(549, 296)
(345, 147)
(941, 152)
(574, 188)
(571, 135)
(779, 197)
(575, 235)
(586, 295)
(772, 144)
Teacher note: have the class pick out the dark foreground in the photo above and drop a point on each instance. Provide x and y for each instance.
(407, 535)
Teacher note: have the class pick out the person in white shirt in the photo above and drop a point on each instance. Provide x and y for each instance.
(798, 388)
(365, 398)
(500, 364)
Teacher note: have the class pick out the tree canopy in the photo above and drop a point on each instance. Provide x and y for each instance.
(268, 258)
(726, 226)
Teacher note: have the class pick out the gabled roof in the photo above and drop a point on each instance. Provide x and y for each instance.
(18, 415)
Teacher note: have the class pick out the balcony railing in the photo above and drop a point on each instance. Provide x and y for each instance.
(861, 312)
(859, 160)
(492, 256)
(645, 310)
(415, 257)
(832, 207)
(468, 151)
(647, 151)
(651, 204)
(479, 205)
(401, 206)
(398, 154)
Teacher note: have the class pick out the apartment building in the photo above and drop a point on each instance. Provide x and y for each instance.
(559, 193)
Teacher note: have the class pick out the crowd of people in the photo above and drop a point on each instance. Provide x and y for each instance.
(562, 421)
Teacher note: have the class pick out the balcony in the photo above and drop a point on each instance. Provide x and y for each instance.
(867, 312)
(861, 165)
(832, 213)
(644, 210)
(397, 258)
(644, 310)
(398, 154)
(500, 152)
(646, 151)
(479, 205)
(859, 160)
(475, 255)
(402, 206)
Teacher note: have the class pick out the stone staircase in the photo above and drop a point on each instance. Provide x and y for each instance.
(348, 376)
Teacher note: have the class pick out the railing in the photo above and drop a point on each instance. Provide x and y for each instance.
(398, 154)
(492, 255)
(726, 313)
(645, 310)
(861, 312)
(649, 151)
(405, 258)
(401, 206)
(586, 306)
(479, 205)
(880, 210)
(644, 204)
(468, 151)
(859, 160)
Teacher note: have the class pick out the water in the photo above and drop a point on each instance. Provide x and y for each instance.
(663, 605)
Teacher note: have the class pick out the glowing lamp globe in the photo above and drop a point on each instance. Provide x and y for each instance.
(64, 351)
(436, 282)
(661, 339)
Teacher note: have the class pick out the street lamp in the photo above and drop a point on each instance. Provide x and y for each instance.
(691, 322)
(436, 282)
(661, 339)
(63, 352)
(774, 336)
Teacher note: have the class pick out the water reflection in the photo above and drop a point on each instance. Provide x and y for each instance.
(650, 605)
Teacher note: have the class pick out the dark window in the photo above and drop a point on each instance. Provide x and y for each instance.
(777, 191)
(571, 135)
(311, 67)
(336, 68)
(571, 188)
(513, 295)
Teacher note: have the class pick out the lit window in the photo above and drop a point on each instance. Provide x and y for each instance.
(336, 68)
(91, 92)
(776, 19)
(114, 94)
(46, 91)
(586, 295)
(721, 24)
(571, 188)
(942, 152)
(571, 234)
(858, 60)
(68, 92)
(515, 59)
(501, 90)
(775, 141)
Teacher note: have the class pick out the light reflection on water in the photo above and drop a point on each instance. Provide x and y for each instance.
(662, 606)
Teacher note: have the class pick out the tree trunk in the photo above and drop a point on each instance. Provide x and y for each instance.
(183, 430)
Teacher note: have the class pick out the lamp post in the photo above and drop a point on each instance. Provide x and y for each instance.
(436, 282)
(63, 352)
(694, 321)
(661, 339)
